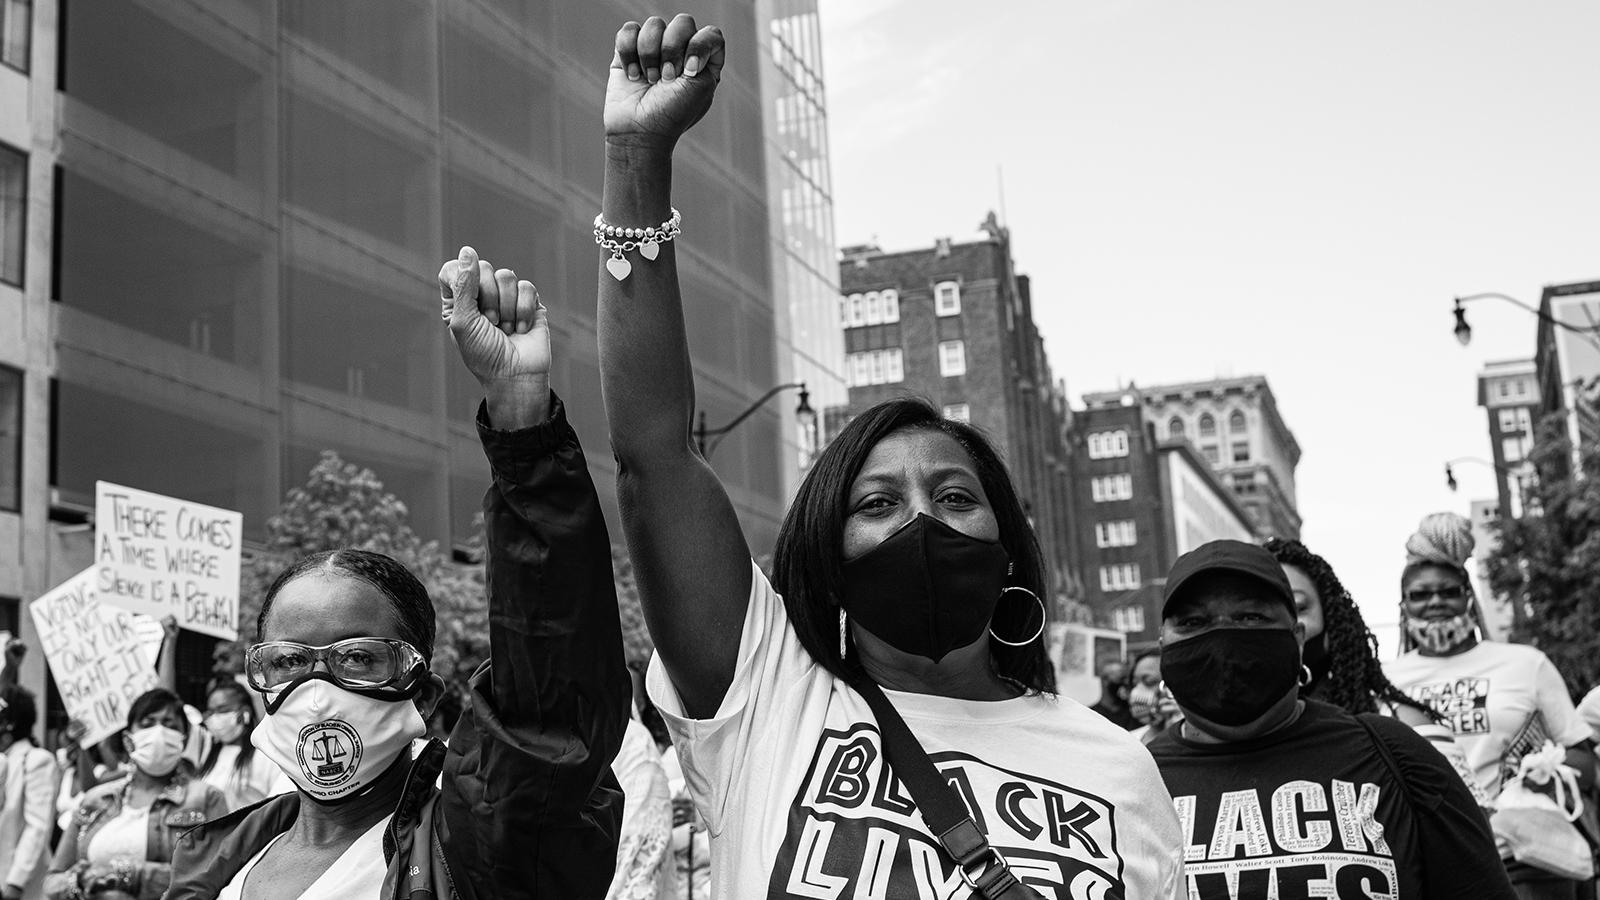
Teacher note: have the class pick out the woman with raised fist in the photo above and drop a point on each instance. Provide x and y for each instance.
(895, 660)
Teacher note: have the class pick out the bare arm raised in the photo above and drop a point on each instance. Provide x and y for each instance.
(689, 555)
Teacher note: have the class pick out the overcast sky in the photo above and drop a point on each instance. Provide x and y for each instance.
(1244, 186)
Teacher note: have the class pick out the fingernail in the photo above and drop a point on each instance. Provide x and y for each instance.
(466, 256)
(668, 72)
(654, 74)
(691, 66)
(633, 71)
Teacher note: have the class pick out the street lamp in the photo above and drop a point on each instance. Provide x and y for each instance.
(803, 413)
(1463, 331)
(1450, 475)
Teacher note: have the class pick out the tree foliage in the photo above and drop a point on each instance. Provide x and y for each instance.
(1548, 560)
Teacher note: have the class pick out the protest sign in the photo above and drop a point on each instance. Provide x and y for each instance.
(151, 635)
(95, 656)
(162, 556)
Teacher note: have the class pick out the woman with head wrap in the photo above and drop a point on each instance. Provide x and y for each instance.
(1501, 701)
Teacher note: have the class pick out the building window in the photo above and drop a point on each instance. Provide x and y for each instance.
(870, 367)
(1109, 488)
(952, 358)
(1241, 451)
(1174, 428)
(1120, 577)
(1508, 420)
(1505, 388)
(1128, 619)
(1116, 534)
(1212, 454)
(891, 305)
(14, 42)
(1108, 444)
(1208, 426)
(1236, 422)
(1512, 449)
(10, 439)
(947, 299)
(957, 412)
(1525, 422)
(13, 203)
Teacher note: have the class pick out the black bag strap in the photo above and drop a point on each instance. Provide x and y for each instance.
(981, 866)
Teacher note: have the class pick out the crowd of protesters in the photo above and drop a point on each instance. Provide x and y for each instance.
(877, 717)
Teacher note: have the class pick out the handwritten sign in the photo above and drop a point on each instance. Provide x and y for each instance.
(167, 557)
(95, 656)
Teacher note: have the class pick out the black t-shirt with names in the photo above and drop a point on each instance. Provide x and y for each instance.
(1318, 809)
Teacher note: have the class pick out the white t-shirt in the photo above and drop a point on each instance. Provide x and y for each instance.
(259, 780)
(790, 781)
(1490, 696)
(127, 836)
(356, 875)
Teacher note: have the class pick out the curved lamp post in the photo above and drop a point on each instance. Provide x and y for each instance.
(803, 413)
(1450, 475)
(1463, 331)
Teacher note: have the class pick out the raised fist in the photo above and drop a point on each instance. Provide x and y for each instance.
(499, 325)
(662, 79)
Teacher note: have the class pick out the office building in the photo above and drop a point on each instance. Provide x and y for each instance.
(953, 323)
(1567, 358)
(223, 219)
(1508, 391)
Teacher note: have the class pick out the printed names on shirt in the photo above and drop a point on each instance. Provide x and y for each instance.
(1463, 702)
(1304, 840)
(854, 834)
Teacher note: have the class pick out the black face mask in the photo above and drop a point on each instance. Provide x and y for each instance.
(1315, 657)
(927, 589)
(1231, 676)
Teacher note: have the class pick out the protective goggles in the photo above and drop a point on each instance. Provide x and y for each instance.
(369, 665)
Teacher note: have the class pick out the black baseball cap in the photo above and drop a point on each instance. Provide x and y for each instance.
(1228, 556)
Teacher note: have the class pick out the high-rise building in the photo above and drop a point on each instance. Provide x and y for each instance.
(1235, 425)
(1508, 391)
(1567, 358)
(953, 323)
(222, 219)
(1138, 503)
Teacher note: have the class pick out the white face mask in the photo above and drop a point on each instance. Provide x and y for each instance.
(1441, 635)
(156, 750)
(332, 742)
(225, 727)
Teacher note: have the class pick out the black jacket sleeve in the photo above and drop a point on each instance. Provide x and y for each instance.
(529, 805)
(1453, 836)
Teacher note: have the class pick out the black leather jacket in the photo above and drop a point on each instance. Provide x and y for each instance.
(528, 806)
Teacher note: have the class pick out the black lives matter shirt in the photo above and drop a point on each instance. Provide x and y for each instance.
(1319, 810)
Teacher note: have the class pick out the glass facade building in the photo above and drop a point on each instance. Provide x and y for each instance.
(234, 211)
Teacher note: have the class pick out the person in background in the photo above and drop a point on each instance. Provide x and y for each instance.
(644, 865)
(1113, 702)
(1282, 796)
(1149, 702)
(31, 779)
(123, 833)
(1499, 700)
(233, 766)
(1341, 654)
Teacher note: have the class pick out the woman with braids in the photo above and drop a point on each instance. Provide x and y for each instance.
(906, 576)
(1500, 700)
(1341, 654)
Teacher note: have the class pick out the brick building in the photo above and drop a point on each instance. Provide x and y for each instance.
(953, 323)
(1508, 391)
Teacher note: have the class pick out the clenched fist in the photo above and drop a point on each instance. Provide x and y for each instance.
(499, 326)
(662, 79)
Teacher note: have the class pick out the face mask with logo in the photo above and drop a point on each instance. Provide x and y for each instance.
(332, 742)
(157, 750)
(1231, 676)
(225, 727)
(927, 589)
(1441, 635)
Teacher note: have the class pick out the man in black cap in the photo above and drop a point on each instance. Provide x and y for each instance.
(1292, 798)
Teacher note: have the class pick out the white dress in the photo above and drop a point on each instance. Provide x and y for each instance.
(356, 875)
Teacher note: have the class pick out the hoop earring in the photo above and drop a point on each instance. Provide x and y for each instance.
(844, 632)
(1305, 675)
(1042, 614)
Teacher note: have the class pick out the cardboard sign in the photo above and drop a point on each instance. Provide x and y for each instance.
(151, 636)
(167, 557)
(95, 655)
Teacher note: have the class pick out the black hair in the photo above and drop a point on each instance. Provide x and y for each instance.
(247, 748)
(19, 712)
(808, 565)
(1355, 678)
(412, 608)
(154, 701)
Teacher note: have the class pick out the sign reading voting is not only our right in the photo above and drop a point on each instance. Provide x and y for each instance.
(99, 664)
(162, 556)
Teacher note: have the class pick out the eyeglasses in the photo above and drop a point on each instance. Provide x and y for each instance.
(358, 664)
(1448, 592)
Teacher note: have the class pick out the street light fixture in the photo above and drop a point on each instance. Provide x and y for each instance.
(1450, 475)
(803, 413)
(1463, 331)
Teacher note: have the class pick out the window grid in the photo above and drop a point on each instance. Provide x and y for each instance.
(15, 40)
(1128, 619)
(947, 298)
(1109, 488)
(952, 358)
(957, 412)
(13, 213)
(1122, 533)
(1120, 577)
(871, 367)
(1108, 444)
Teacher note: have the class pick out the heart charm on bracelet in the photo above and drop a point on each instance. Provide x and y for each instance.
(649, 249)
(618, 267)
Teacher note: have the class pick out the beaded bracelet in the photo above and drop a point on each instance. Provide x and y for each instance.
(621, 240)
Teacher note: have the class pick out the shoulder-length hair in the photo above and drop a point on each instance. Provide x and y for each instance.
(808, 565)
